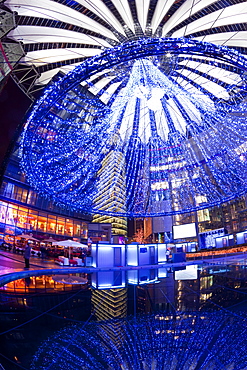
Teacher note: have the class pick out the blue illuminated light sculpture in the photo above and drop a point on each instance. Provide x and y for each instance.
(173, 110)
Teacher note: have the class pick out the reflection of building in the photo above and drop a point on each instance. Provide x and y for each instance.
(110, 305)
(222, 286)
(155, 297)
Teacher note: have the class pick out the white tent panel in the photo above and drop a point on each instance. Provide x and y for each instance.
(161, 9)
(52, 10)
(124, 10)
(41, 57)
(109, 92)
(142, 12)
(47, 76)
(188, 8)
(33, 34)
(230, 39)
(212, 87)
(101, 10)
(213, 71)
(193, 90)
(101, 84)
(231, 15)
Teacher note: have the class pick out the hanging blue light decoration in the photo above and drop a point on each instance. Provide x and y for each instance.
(173, 109)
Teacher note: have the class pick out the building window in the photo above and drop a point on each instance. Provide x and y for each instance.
(69, 227)
(60, 226)
(51, 224)
(42, 222)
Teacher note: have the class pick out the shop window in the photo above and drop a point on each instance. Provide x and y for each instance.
(12, 215)
(69, 227)
(32, 220)
(51, 224)
(22, 218)
(77, 228)
(3, 211)
(7, 190)
(24, 196)
(42, 222)
(17, 193)
(84, 230)
(60, 226)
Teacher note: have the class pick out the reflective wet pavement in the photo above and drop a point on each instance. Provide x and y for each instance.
(181, 317)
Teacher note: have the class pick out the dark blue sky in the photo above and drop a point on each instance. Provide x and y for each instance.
(13, 106)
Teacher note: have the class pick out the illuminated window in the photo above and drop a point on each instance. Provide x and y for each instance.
(60, 226)
(32, 196)
(42, 222)
(77, 228)
(22, 218)
(32, 220)
(69, 227)
(51, 224)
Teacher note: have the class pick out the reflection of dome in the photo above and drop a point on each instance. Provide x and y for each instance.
(189, 341)
(177, 137)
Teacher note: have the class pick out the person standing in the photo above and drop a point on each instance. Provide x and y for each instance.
(27, 254)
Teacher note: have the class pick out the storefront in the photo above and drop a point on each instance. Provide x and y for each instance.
(16, 219)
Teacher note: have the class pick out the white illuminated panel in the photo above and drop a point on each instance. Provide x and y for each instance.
(143, 276)
(162, 250)
(162, 272)
(133, 277)
(241, 237)
(108, 255)
(190, 273)
(132, 258)
(94, 255)
(184, 231)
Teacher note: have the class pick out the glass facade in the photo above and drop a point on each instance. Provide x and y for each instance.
(17, 218)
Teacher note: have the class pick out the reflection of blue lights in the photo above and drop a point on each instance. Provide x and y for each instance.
(179, 144)
(203, 340)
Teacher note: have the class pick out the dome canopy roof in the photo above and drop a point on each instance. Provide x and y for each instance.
(57, 35)
(135, 131)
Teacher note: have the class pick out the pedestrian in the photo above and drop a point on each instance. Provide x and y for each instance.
(43, 252)
(27, 254)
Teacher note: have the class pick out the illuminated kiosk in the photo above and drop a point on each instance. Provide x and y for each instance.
(224, 241)
(108, 255)
(146, 254)
(181, 232)
(207, 239)
(142, 254)
(241, 237)
(113, 255)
